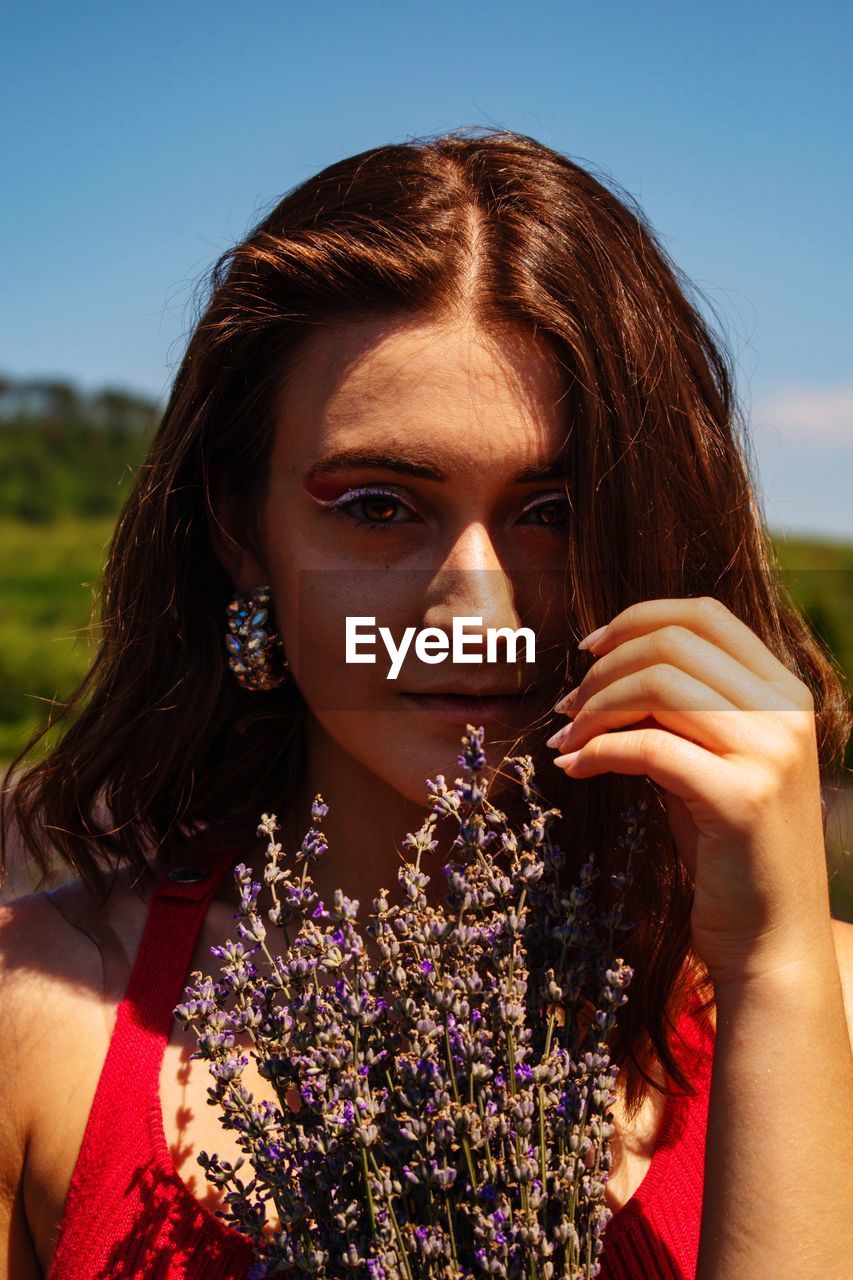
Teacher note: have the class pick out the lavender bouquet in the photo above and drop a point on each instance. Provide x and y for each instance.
(451, 1113)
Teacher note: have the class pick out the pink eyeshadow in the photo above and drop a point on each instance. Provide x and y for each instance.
(325, 488)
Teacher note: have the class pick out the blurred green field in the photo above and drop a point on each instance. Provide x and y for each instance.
(819, 576)
(49, 571)
(47, 576)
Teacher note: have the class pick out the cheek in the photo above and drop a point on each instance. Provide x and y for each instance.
(312, 607)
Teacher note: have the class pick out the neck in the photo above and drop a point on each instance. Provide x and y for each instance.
(364, 828)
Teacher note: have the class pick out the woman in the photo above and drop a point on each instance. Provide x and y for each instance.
(456, 378)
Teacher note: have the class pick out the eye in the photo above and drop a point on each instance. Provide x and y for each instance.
(552, 512)
(378, 507)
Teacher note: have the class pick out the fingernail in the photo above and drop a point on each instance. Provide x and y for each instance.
(554, 739)
(567, 700)
(592, 637)
(568, 759)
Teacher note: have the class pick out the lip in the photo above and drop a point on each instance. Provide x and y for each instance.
(459, 709)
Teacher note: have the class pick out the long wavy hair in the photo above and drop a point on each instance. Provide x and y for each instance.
(159, 737)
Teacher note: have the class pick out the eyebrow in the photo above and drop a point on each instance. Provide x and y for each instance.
(418, 466)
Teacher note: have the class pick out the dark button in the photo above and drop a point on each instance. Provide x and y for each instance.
(187, 875)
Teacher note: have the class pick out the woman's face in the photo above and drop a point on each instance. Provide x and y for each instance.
(413, 480)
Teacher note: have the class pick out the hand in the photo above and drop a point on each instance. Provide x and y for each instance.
(728, 732)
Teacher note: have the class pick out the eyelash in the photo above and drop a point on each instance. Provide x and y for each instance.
(340, 506)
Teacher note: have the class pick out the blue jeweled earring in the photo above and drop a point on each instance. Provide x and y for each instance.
(255, 651)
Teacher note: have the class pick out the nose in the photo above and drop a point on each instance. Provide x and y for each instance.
(472, 583)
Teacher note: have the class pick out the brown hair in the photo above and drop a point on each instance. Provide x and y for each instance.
(160, 734)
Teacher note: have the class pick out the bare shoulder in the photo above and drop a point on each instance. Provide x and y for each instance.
(843, 935)
(35, 948)
(38, 946)
(51, 979)
(41, 956)
(53, 985)
(53, 964)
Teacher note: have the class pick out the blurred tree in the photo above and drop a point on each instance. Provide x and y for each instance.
(66, 453)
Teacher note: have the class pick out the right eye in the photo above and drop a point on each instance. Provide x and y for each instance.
(378, 507)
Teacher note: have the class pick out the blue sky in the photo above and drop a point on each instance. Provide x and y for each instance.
(139, 141)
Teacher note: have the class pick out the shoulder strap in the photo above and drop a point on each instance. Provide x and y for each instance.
(143, 1023)
(178, 906)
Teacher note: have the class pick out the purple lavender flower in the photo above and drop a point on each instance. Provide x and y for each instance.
(444, 1114)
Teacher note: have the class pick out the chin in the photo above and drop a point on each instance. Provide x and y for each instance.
(431, 751)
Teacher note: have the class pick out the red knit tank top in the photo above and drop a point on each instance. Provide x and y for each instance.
(655, 1235)
(129, 1214)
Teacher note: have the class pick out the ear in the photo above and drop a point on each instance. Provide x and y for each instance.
(229, 541)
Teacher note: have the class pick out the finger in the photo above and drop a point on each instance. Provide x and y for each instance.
(680, 766)
(704, 615)
(676, 646)
(676, 701)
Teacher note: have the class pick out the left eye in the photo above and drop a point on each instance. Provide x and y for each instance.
(553, 513)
